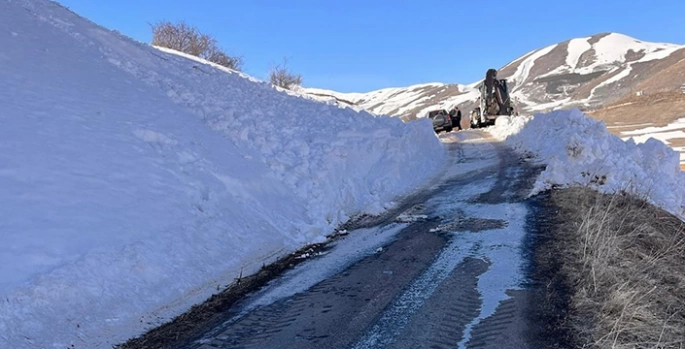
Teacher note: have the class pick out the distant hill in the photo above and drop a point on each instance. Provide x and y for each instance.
(588, 73)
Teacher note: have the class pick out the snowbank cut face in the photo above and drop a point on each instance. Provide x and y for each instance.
(580, 151)
(135, 182)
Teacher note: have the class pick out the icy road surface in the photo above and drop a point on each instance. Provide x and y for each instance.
(444, 270)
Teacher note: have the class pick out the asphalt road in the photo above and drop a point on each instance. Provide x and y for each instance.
(449, 272)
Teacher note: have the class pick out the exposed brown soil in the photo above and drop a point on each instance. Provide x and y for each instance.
(664, 75)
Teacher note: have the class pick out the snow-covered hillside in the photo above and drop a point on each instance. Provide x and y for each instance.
(552, 77)
(136, 182)
(590, 54)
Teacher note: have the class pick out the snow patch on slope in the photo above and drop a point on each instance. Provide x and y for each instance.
(624, 73)
(576, 48)
(580, 151)
(614, 47)
(520, 58)
(523, 70)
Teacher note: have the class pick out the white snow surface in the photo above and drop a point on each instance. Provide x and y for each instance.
(616, 78)
(580, 151)
(609, 53)
(674, 130)
(137, 182)
(576, 48)
(614, 48)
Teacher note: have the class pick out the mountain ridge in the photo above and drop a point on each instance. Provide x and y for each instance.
(588, 73)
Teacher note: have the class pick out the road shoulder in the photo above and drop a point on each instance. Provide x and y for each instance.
(612, 268)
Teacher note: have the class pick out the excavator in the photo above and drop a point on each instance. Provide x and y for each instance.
(494, 100)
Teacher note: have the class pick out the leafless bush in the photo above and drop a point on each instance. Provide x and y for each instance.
(188, 39)
(280, 76)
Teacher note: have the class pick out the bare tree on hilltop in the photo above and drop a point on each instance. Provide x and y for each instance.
(188, 39)
(281, 77)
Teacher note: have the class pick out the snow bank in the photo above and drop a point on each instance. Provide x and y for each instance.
(136, 182)
(580, 151)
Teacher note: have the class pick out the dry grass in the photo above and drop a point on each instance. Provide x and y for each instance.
(625, 263)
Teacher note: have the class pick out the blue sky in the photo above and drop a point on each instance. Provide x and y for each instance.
(358, 46)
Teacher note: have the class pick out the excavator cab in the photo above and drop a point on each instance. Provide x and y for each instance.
(494, 100)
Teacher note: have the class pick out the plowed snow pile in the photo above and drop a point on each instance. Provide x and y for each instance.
(580, 151)
(135, 182)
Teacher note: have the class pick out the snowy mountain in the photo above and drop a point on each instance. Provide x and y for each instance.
(136, 182)
(585, 72)
(405, 102)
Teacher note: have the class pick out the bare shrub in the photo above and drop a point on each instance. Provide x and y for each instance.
(626, 260)
(280, 76)
(188, 39)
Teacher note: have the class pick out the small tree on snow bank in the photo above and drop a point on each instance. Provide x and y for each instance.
(281, 77)
(187, 39)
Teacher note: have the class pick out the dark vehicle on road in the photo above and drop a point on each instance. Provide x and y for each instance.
(441, 120)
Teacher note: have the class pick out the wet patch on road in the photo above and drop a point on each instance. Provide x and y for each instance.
(472, 224)
(549, 313)
(332, 313)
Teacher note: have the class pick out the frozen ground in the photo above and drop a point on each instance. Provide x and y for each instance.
(137, 182)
